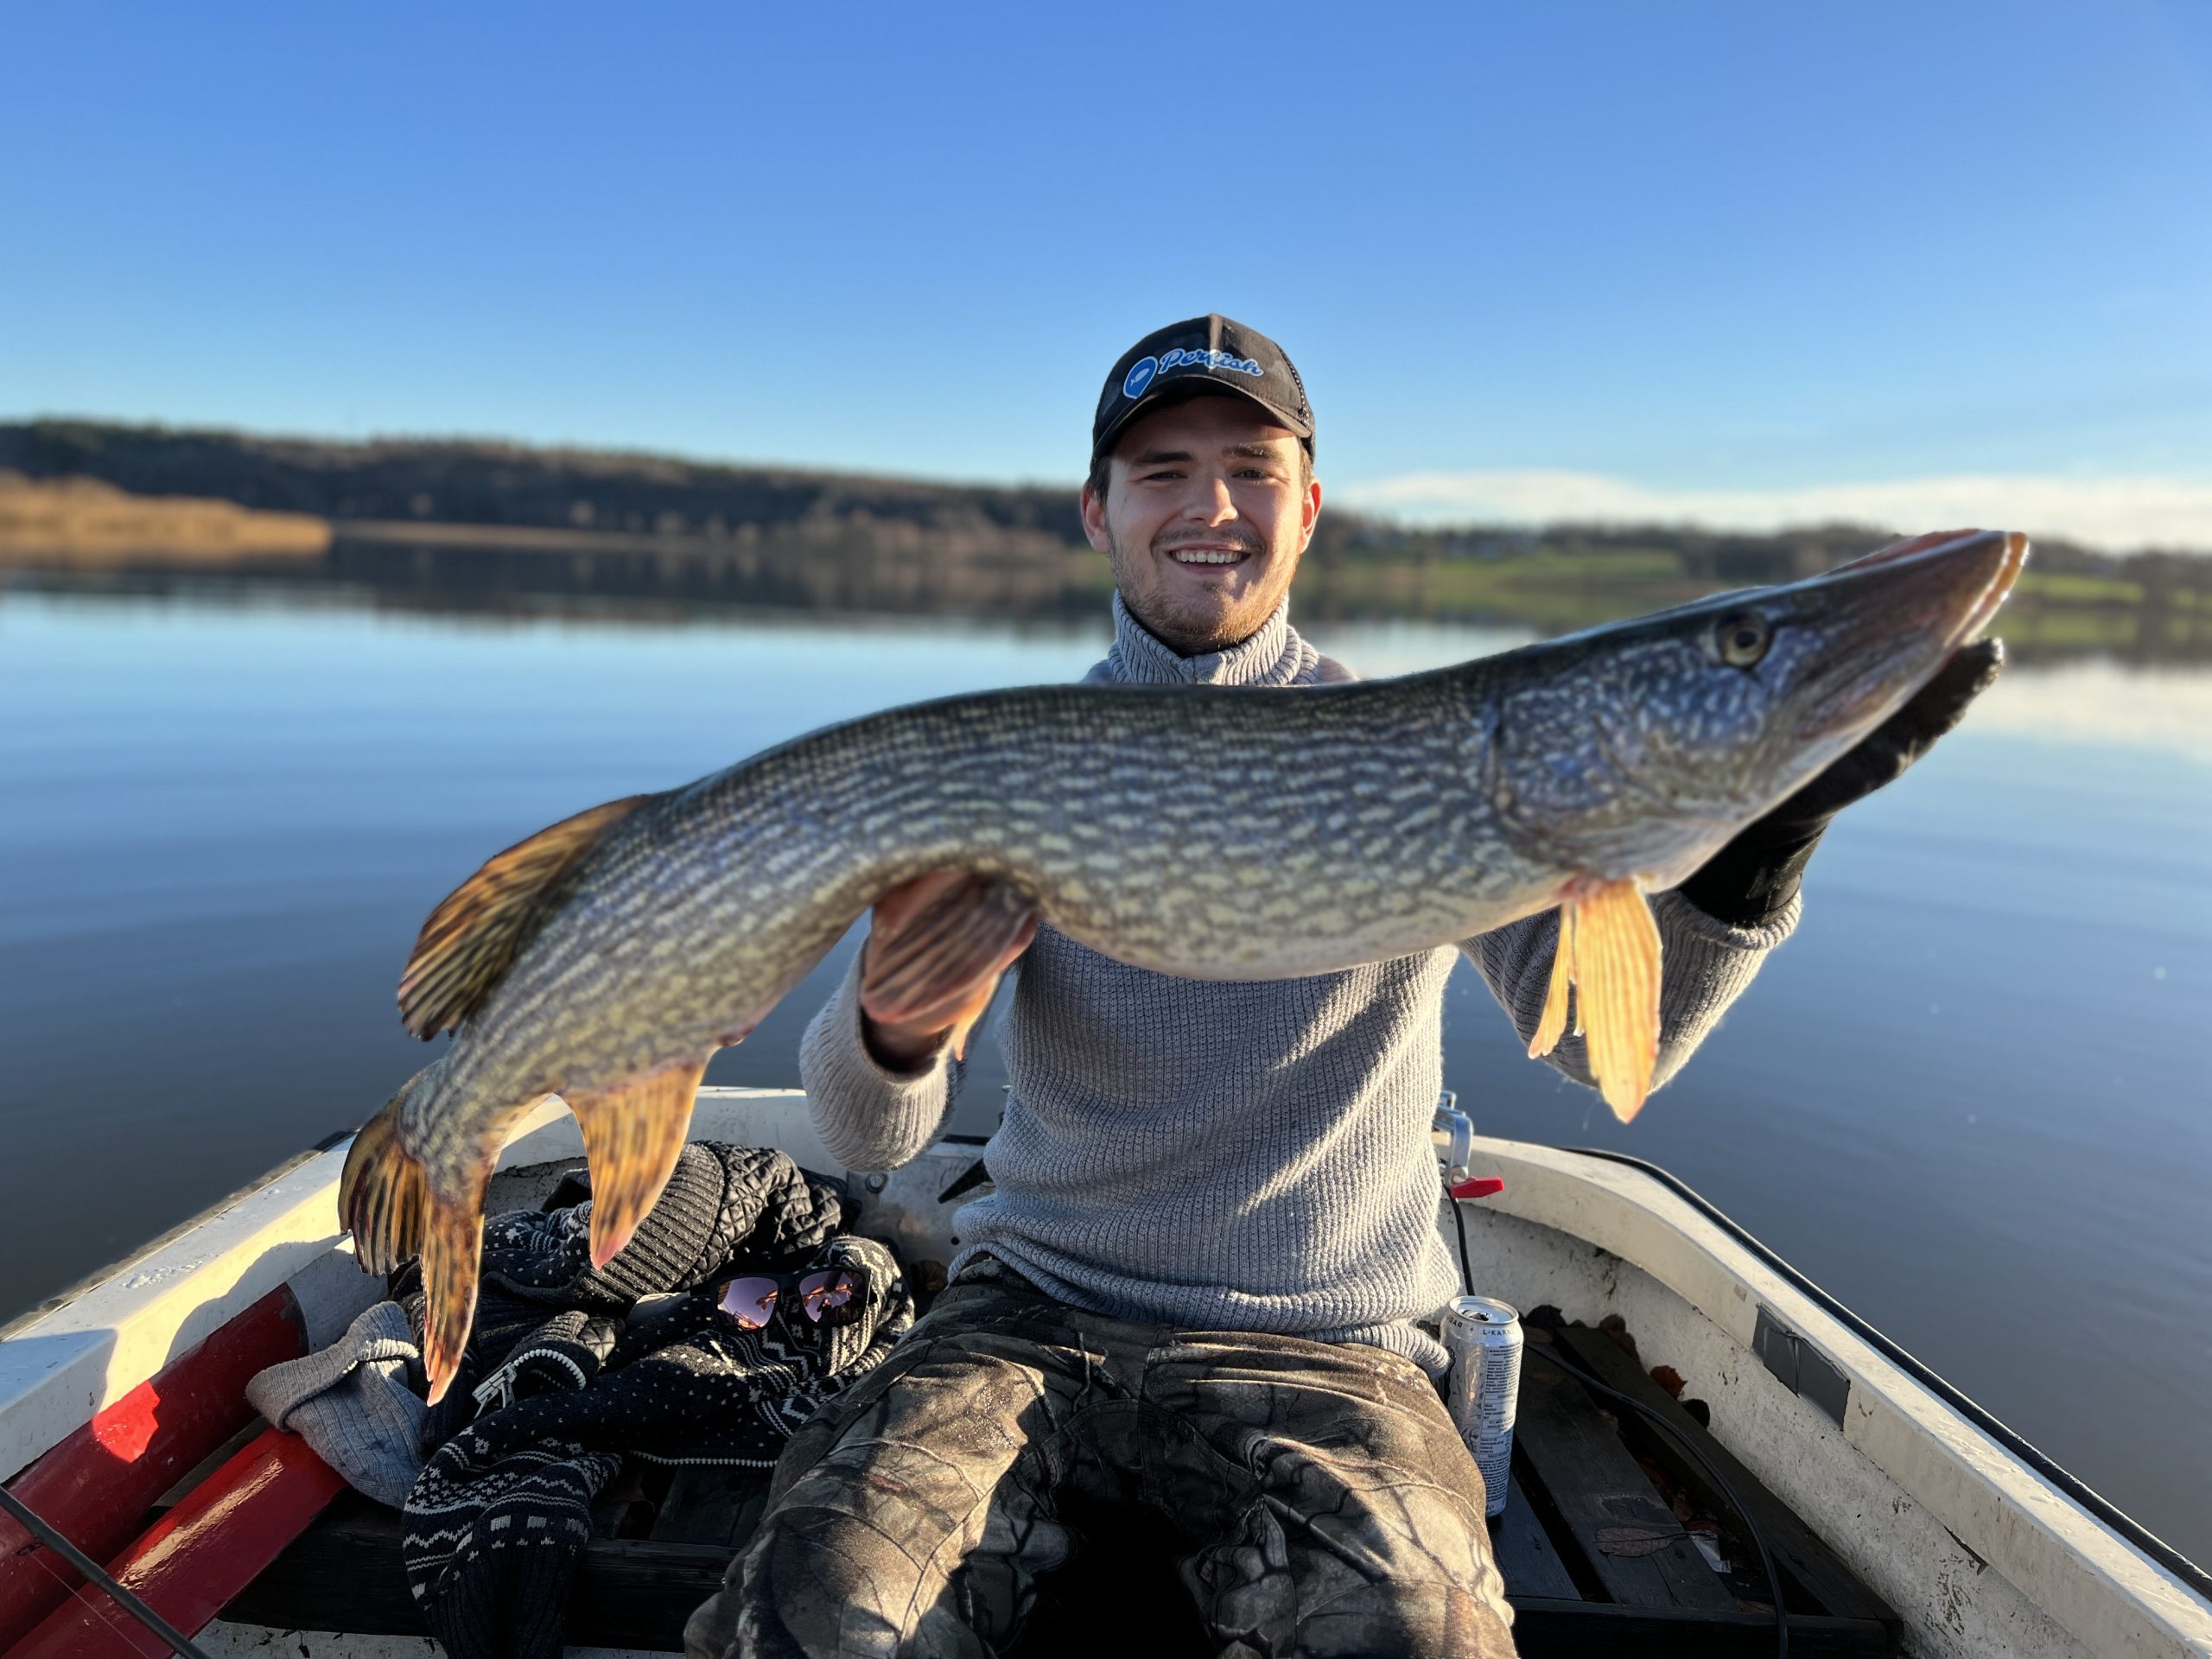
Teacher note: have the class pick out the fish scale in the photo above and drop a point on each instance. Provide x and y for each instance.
(1209, 832)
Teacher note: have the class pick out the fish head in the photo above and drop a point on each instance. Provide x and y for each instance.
(1636, 750)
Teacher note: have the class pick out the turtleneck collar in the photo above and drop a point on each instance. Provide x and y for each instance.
(1276, 655)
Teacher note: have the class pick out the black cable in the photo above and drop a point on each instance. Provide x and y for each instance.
(1680, 1437)
(1466, 1273)
(36, 1526)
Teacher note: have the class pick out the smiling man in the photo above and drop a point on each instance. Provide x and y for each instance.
(1190, 1309)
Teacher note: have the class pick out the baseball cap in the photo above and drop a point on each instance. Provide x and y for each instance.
(1204, 354)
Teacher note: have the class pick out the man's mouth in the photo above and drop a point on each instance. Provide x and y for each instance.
(1203, 553)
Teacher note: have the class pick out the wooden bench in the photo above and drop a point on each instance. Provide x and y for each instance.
(1596, 1554)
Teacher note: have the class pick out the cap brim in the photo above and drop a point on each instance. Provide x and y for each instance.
(1198, 385)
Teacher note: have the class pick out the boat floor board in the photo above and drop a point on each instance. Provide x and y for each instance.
(1590, 1496)
(1813, 1574)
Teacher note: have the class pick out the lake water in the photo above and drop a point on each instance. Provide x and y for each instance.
(1970, 1098)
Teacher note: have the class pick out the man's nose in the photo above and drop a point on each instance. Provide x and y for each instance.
(1210, 502)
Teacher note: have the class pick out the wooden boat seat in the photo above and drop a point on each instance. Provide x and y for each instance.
(1593, 1546)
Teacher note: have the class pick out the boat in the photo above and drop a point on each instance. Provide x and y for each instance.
(1712, 1455)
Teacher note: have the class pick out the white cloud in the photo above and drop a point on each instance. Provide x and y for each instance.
(2122, 512)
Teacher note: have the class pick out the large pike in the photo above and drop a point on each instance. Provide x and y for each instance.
(1212, 833)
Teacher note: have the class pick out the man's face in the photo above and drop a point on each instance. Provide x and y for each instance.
(1204, 519)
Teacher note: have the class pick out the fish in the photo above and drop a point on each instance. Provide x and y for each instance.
(1210, 832)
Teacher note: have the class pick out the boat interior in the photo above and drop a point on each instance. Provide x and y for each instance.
(1710, 1456)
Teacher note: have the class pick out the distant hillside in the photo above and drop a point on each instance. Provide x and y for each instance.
(501, 524)
(469, 482)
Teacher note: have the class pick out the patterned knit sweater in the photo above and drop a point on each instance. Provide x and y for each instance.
(1234, 1156)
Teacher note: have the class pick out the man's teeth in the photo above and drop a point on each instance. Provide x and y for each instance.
(1204, 555)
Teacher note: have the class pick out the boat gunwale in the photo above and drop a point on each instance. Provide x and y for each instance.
(2103, 1508)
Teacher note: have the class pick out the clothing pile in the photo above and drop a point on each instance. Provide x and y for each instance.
(571, 1369)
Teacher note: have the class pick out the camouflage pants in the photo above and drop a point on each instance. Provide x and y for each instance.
(1315, 1495)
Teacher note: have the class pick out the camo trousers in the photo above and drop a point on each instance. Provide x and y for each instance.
(1316, 1497)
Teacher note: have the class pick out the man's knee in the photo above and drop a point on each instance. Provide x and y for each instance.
(875, 1505)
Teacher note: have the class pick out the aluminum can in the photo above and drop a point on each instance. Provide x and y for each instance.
(1483, 1338)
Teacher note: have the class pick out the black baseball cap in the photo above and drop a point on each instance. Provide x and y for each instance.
(1206, 355)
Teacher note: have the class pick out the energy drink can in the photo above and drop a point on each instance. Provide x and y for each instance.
(1483, 1338)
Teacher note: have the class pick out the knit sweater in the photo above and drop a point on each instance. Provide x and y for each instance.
(1243, 1156)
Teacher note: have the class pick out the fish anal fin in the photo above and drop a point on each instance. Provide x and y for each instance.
(1553, 1025)
(631, 1136)
(477, 931)
(1616, 984)
(453, 1251)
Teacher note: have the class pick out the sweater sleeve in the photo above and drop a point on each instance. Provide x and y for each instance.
(1705, 965)
(869, 1117)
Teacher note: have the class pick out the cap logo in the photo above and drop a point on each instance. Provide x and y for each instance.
(1138, 376)
(1180, 358)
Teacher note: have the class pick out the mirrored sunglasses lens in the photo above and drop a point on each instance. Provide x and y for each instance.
(823, 1290)
(749, 1301)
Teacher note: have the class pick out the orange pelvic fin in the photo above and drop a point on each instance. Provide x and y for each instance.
(478, 929)
(962, 933)
(1609, 951)
(631, 1136)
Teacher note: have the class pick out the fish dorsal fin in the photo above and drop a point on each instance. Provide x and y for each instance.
(1609, 949)
(475, 933)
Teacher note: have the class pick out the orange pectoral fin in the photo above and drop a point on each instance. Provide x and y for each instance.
(1552, 1026)
(631, 1136)
(1616, 965)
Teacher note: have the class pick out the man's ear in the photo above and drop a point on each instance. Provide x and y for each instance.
(1094, 519)
(1309, 514)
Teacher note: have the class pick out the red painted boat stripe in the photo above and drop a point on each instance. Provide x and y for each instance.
(198, 1555)
(96, 1486)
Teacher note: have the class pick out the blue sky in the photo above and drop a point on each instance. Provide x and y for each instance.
(1727, 261)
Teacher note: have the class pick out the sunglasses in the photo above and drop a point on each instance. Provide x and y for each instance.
(749, 1301)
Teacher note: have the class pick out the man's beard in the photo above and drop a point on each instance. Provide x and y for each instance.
(1219, 632)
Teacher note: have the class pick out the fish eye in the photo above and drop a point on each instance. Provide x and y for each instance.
(1741, 638)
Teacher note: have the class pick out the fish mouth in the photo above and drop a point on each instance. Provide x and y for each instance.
(1897, 615)
(1949, 544)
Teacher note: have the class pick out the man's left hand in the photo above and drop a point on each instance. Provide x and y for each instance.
(1752, 881)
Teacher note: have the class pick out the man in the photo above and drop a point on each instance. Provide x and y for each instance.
(1192, 1298)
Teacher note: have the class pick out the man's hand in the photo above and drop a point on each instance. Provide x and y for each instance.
(933, 960)
(1752, 879)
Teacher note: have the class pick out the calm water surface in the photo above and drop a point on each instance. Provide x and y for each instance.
(1970, 1096)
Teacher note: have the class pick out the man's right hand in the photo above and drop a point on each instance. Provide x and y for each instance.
(934, 954)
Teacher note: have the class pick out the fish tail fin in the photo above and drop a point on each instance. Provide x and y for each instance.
(453, 1251)
(383, 1195)
(631, 1136)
